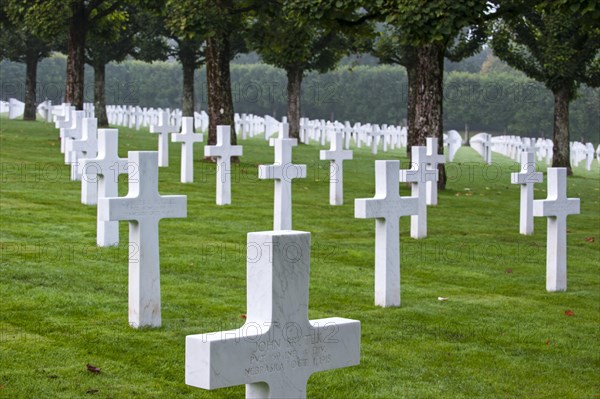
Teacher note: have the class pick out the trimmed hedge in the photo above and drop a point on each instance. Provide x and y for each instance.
(494, 102)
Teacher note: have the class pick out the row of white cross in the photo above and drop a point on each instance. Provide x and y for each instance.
(277, 312)
(255, 354)
(248, 125)
(388, 206)
(543, 149)
(556, 208)
(386, 137)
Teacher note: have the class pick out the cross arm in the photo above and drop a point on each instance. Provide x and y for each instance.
(214, 151)
(525, 178)
(366, 208)
(418, 175)
(166, 129)
(218, 360)
(552, 208)
(116, 209)
(183, 138)
(336, 156)
(336, 343)
(270, 172)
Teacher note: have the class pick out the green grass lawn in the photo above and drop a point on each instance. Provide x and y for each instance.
(63, 301)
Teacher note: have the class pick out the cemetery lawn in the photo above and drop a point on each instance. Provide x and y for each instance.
(498, 334)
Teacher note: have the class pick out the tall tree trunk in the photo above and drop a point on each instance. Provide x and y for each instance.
(74, 92)
(189, 66)
(411, 73)
(220, 102)
(31, 63)
(428, 100)
(294, 87)
(99, 94)
(562, 156)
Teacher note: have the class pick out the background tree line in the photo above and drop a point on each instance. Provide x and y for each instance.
(500, 100)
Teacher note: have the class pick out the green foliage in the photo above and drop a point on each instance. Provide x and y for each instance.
(291, 43)
(204, 18)
(17, 43)
(499, 334)
(432, 21)
(42, 17)
(421, 23)
(390, 48)
(48, 18)
(550, 46)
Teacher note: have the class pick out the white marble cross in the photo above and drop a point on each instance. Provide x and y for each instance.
(103, 172)
(336, 155)
(187, 138)
(16, 108)
(589, 156)
(418, 175)
(431, 162)
(487, 148)
(526, 178)
(84, 147)
(143, 207)
(45, 110)
(376, 134)
(454, 143)
(163, 128)
(223, 151)
(387, 207)
(347, 129)
(62, 116)
(138, 114)
(482, 143)
(283, 171)
(73, 131)
(278, 348)
(556, 208)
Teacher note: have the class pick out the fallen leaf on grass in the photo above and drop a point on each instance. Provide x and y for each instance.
(441, 298)
(93, 369)
(547, 342)
(243, 316)
(508, 271)
(569, 313)
(457, 194)
(469, 194)
(590, 239)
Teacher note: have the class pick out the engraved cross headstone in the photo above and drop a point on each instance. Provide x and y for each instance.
(143, 208)
(223, 151)
(103, 172)
(278, 348)
(84, 147)
(386, 207)
(187, 138)
(418, 175)
(336, 155)
(431, 163)
(163, 128)
(283, 171)
(526, 178)
(556, 208)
